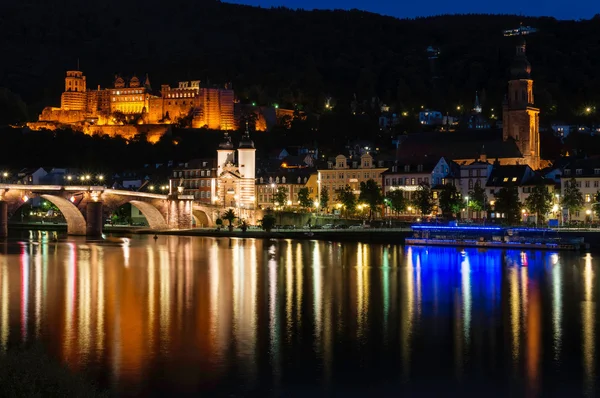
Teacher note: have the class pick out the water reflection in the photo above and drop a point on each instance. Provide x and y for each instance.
(241, 316)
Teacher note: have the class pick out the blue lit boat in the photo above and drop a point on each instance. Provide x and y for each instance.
(491, 237)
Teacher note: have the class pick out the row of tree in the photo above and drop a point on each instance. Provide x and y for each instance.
(506, 201)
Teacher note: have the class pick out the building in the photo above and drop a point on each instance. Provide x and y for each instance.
(267, 186)
(587, 177)
(236, 179)
(520, 119)
(133, 102)
(351, 171)
(518, 142)
(198, 177)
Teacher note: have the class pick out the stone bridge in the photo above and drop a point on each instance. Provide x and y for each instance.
(86, 207)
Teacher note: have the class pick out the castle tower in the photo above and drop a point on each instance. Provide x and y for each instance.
(247, 168)
(520, 119)
(74, 97)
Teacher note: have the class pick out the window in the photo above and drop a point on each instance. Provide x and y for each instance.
(426, 180)
(514, 179)
(470, 184)
(596, 171)
(567, 172)
(587, 184)
(505, 179)
(202, 183)
(596, 184)
(578, 184)
(435, 194)
(588, 198)
(387, 181)
(420, 167)
(578, 171)
(393, 181)
(419, 180)
(577, 213)
(412, 181)
(341, 176)
(407, 168)
(470, 173)
(367, 175)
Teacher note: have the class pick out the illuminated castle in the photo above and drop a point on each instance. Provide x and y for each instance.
(133, 102)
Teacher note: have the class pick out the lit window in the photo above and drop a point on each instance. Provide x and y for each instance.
(514, 179)
(505, 179)
(588, 197)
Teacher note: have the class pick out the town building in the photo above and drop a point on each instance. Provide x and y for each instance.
(236, 178)
(351, 171)
(518, 142)
(268, 184)
(198, 177)
(586, 173)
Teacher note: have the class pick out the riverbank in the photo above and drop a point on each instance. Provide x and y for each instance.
(392, 236)
(384, 235)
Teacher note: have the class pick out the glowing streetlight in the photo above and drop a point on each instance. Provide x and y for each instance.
(151, 187)
(5, 174)
(101, 177)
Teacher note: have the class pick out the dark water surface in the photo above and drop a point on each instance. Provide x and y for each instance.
(242, 317)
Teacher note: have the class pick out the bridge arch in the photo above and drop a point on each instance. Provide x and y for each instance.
(202, 218)
(76, 224)
(154, 217)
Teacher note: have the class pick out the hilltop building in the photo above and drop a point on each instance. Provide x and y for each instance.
(131, 102)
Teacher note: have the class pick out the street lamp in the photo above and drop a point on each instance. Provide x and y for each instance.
(467, 198)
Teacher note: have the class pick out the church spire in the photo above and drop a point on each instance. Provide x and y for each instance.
(477, 107)
(246, 142)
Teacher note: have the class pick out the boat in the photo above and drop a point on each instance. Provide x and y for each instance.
(491, 237)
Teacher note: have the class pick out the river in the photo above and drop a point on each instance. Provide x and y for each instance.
(240, 317)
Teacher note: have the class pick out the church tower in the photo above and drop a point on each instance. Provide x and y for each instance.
(225, 154)
(520, 119)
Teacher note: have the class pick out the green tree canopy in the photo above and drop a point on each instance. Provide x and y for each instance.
(324, 201)
(539, 202)
(450, 201)
(396, 201)
(280, 196)
(304, 198)
(572, 198)
(230, 216)
(347, 199)
(423, 199)
(370, 193)
(508, 203)
(478, 198)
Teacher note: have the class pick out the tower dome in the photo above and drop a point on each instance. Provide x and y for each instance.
(246, 142)
(226, 143)
(520, 68)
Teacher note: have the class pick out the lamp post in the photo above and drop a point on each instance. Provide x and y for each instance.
(467, 198)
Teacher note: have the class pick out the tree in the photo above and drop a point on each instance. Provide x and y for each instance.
(450, 201)
(347, 198)
(478, 198)
(573, 198)
(396, 201)
(230, 216)
(280, 197)
(268, 222)
(423, 199)
(596, 204)
(304, 198)
(370, 193)
(507, 202)
(539, 202)
(324, 202)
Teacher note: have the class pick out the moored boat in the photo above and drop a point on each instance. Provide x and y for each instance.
(492, 237)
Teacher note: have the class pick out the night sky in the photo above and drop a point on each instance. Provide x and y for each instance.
(560, 9)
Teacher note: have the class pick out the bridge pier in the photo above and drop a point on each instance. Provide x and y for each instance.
(94, 220)
(179, 213)
(3, 219)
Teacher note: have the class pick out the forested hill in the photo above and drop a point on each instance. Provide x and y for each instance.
(293, 57)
